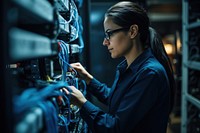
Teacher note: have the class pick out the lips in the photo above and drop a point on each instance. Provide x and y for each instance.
(110, 49)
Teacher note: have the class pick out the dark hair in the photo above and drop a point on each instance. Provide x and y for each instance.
(126, 14)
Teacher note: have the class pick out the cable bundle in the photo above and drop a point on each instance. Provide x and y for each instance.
(74, 21)
(43, 98)
(64, 59)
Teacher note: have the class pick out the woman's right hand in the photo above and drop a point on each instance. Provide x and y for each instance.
(82, 73)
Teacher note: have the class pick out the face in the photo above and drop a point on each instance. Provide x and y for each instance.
(119, 42)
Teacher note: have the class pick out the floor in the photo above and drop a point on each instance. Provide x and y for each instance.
(174, 127)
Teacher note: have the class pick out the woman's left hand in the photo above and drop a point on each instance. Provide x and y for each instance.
(76, 97)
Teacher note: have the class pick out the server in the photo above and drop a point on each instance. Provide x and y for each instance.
(42, 38)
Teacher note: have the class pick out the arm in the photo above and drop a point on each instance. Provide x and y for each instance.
(98, 89)
(139, 99)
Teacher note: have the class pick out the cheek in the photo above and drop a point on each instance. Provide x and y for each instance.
(122, 45)
(119, 50)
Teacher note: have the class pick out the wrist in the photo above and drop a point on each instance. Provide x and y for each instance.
(88, 79)
(82, 102)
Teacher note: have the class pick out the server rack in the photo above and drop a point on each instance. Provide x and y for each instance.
(33, 36)
(5, 95)
(190, 67)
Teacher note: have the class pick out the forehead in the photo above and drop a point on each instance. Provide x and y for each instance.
(109, 24)
(107, 21)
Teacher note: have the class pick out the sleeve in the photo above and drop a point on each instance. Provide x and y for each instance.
(135, 104)
(99, 90)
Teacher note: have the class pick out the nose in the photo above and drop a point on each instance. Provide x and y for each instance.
(106, 42)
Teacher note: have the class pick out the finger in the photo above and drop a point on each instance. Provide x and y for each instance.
(72, 88)
(74, 68)
(75, 64)
(66, 91)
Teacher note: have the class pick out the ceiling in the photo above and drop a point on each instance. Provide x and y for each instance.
(160, 10)
(165, 15)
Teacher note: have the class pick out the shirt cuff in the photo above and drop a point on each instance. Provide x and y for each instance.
(94, 83)
(88, 113)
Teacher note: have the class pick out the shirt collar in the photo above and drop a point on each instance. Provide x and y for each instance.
(137, 62)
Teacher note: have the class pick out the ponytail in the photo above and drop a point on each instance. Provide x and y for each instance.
(159, 52)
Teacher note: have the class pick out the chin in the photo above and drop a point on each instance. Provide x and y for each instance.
(114, 56)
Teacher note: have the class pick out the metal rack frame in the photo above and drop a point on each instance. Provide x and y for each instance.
(187, 64)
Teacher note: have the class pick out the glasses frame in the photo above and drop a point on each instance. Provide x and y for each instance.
(108, 34)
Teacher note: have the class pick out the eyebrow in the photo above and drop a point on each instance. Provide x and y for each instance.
(108, 30)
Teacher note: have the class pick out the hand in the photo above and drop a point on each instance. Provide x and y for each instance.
(83, 74)
(76, 97)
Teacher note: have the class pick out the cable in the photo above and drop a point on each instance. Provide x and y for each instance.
(45, 99)
(64, 58)
(31, 96)
(50, 114)
(74, 21)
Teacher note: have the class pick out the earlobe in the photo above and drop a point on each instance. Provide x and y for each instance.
(134, 30)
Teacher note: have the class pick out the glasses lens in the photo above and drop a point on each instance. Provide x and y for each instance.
(108, 34)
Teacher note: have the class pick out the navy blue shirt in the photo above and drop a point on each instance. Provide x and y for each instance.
(138, 100)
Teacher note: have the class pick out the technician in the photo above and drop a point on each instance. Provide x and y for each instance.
(142, 94)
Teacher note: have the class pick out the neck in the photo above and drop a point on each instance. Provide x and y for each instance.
(133, 54)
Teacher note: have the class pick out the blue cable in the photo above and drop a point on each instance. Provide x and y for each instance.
(68, 65)
(64, 56)
(32, 96)
(50, 114)
(42, 98)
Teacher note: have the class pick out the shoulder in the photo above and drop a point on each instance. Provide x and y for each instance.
(152, 67)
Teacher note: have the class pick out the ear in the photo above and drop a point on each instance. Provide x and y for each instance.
(133, 31)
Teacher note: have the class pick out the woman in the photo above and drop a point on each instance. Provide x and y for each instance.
(141, 97)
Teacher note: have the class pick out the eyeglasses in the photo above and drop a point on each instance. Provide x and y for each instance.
(108, 34)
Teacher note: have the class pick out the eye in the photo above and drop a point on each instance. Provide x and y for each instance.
(107, 35)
